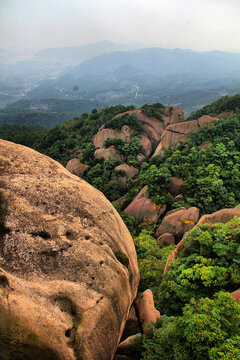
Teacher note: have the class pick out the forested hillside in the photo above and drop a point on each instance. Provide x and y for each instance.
(163, 172)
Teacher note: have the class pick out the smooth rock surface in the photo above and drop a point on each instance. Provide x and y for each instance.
(143, 209)
(124, 134)
(107, 154)
(179, 222)
(77, 168)
(146, 309)
(69, 271)
(165, 240)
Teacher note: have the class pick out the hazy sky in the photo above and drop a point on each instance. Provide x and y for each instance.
(195, 24)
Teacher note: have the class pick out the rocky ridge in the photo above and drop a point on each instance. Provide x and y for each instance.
(69, 271)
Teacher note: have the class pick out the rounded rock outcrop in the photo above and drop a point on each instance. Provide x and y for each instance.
(69, 271)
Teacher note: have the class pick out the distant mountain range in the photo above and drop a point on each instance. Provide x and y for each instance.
(186, 78)
(115, 73)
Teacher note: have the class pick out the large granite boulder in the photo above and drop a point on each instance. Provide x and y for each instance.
(176, 184)
(124, 134)
(146, 310)
(143, 209)
(175, 133)
(77, 168)
(69, 271)
(206, 120)
(107, 154)
(179, 222)
(146, 145)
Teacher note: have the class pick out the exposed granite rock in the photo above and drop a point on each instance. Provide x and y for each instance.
(129, 170)
(206, 120)
(146, 146)
(165, 240)
(146, 310)
(124, 134)
(236, 295)
(179, 222)
(107, 153)
(69, 270)
(77, 168)
(175, 185)
(143, 209)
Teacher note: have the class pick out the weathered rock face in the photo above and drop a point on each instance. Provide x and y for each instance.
(77, 168)
(69, 270)
(107, 153)
(146, 309)
(179, 222)
(130, 171)
(177, 131)
(221, 216)
(165, 240)
(143, 209)
(206, 120)
(175, 185)
(236, 295)
(146, 145)
(124, 134)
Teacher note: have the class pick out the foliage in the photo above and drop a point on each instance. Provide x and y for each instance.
(151, 260)
(207, 330)
(157, 180)
(154, 110)
(130, 120)
(224, 104)
(209, 262)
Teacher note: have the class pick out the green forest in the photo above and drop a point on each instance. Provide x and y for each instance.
(199, 319)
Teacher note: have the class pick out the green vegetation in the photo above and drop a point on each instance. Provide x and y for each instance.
(200, 320)
(224, 105)
(204, 322)
(208, 263)
(207, 330)
(154, 110)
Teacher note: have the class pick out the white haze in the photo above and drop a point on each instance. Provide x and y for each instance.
(196, 24)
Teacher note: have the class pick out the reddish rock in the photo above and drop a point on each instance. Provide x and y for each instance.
(62, 279)
(124, 134)
(125, 346)
(206, 120)
(221, 216)
(236, 295)
(166, 240)
(153, 127)
(175, 133)
(146, 145)
(141, 158)
(180, 197)
(132, 324)
(179, 222)
(129, 170)
(176, 186)
(173, 255)
(146, 310)
(175, 210)
(107, 153)
(177, 115)
(77, 168)
(143, 209)
(204, 146)
(120, 200)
